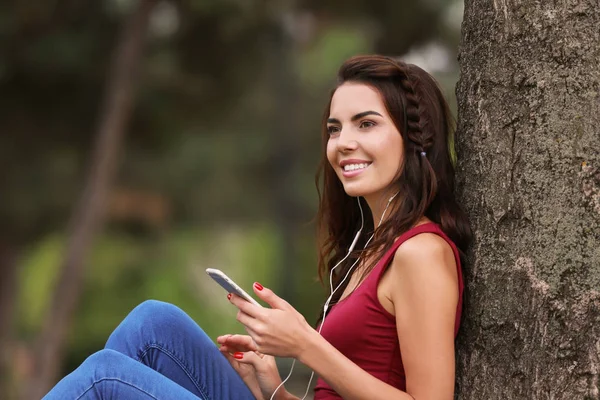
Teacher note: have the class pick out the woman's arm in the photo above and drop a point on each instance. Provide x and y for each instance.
(425, 295)
(344, 376)
(425, 298)
(282, 331)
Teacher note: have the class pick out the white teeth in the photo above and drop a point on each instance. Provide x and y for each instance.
(352, 167)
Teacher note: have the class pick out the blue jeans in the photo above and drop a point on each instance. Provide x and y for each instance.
(157, 352)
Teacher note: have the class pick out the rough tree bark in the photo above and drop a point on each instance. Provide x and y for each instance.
(529, 177)
(88, 215)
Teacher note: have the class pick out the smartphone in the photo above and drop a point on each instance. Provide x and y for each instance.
(228, 284)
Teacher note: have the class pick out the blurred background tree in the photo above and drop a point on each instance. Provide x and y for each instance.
(216, 165)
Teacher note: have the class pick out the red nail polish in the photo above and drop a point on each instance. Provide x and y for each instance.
(258, 286)
(238, 355)
(229, 296)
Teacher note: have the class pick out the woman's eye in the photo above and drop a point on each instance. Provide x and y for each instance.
(367, 124)
(332, 129)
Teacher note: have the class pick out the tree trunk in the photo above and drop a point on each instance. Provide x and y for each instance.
(529, 178)
(88, 215)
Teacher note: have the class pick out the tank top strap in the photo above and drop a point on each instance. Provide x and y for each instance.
(429, 227)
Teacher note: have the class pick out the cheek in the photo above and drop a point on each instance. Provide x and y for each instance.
(394, 152)
(331, 154)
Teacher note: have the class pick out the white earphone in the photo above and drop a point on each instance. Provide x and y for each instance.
(326, 306)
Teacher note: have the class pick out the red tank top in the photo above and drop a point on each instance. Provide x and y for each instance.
(361, 329)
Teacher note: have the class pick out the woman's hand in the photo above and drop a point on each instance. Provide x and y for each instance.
(279, 331)
(259, 371)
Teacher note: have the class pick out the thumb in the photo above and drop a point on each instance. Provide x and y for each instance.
(248, 357)
(269, 297)
(239, 343)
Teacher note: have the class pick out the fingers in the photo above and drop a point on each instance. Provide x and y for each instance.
(237, 343)
(233, 361)
(223, 338)
(248, 357)
(251, 324)
(270, 297)
(228, 356)
(232, 350)
(245, 306)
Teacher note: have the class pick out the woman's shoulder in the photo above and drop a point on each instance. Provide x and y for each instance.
(430, 247)
(424, 245)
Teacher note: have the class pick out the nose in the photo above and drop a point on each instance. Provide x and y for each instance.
(346, 141)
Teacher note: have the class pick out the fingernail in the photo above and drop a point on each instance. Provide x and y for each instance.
(258, 286)
(238, 355)
(229, 296)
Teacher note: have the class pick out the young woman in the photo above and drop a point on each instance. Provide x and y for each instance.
(392, 235)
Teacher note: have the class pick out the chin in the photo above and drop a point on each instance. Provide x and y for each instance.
(356, 191)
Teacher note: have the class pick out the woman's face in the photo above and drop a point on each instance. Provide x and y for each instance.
(364, 148)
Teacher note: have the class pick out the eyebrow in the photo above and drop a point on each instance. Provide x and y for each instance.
(354, 118)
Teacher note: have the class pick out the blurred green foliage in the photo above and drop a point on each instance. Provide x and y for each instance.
(125, 270)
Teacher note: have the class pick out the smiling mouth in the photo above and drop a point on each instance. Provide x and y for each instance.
(355, 167)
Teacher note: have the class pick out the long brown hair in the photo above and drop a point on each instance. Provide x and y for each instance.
(419, 111)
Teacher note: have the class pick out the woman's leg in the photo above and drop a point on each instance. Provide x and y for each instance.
(164, 338)
(108, 375)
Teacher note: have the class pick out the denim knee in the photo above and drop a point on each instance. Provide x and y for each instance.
(153, 313)
(150, 322)
(101, 363)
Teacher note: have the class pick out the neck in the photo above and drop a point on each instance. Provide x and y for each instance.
(378, 204)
